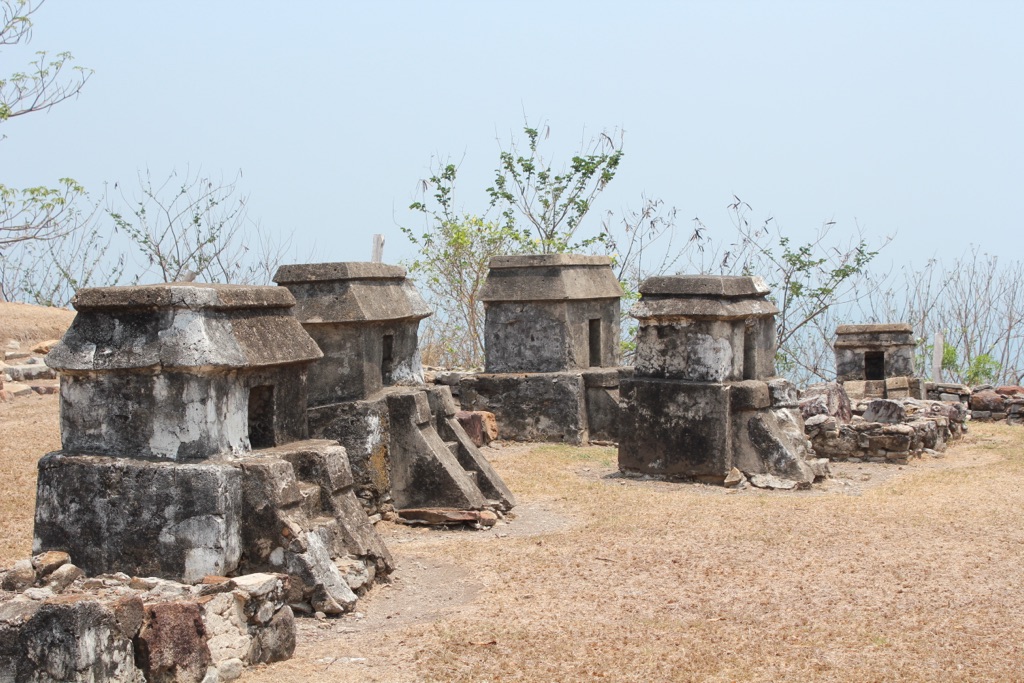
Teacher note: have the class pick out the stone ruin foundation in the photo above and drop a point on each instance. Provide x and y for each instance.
(986, 403)
(407, 449)
(185, 458)
(877, 361)
(551, 349)
(876, 429)
(704, 402)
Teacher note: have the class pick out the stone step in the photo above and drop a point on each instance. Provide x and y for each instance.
(453, 446)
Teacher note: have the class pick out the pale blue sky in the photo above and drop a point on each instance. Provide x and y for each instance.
(904, 117)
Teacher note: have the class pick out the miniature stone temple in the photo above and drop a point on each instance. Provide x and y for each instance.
(551, 348)
(877, 361)
(185, 450)
(704, 398)
(406, 448)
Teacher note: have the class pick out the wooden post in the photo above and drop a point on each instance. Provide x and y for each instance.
(378, 249)
(937, 349)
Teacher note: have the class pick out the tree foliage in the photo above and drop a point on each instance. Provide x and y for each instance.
(540, 211)
(976, 301)
(553, 202)
(453, 253)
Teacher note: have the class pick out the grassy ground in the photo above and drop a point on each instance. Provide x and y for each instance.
(886, 574)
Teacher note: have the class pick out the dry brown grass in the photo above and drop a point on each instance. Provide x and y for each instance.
(916, 578)
(29, 324)
(29, 429)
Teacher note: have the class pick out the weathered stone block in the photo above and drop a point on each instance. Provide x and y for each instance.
(987, 400)
(71, 638)
(675, 428)
(827, 399)
(884, 410)
(695, 351)
(772, 442)
(749, 395)
(147, 518)
(603, 412)
(784, 393)
(172, 643)
(480, 425)
(531, 407)
(363, 428)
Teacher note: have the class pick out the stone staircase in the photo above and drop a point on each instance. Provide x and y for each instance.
(301, 516)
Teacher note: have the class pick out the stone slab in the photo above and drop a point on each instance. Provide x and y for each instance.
(717, 286)
(531, 406)
(677, 429)
(149, 518)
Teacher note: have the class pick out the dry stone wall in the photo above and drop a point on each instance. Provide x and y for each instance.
(986, 403)
(56, 624)
(877, 430)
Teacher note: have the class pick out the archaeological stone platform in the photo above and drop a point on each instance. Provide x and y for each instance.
(704, 398)
(185, 450)
(406, 448)
(551, 348)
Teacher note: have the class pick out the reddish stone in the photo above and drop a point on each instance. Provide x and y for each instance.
(439, 515)
(987, 400)
(1008, 390)
(480, 425)
(172, 643)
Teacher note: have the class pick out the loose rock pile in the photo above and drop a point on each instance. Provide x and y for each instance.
(878, 430)
(58, 625)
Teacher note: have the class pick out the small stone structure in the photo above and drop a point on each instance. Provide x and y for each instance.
(365, 318)
(183, 422)
(877, 360)
(551, 348)
(704, 398)
(406, 447)
(58, 625)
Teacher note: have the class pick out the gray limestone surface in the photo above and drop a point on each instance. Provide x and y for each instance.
(173, 371)
(550, 313)
(548, 406)
(704, 398)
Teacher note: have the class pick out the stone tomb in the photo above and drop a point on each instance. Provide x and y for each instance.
(704, 398)
(406, 448)
(877, 361)
(551, 347)
(183, 425)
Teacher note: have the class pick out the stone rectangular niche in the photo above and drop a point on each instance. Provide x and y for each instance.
(595, 342)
